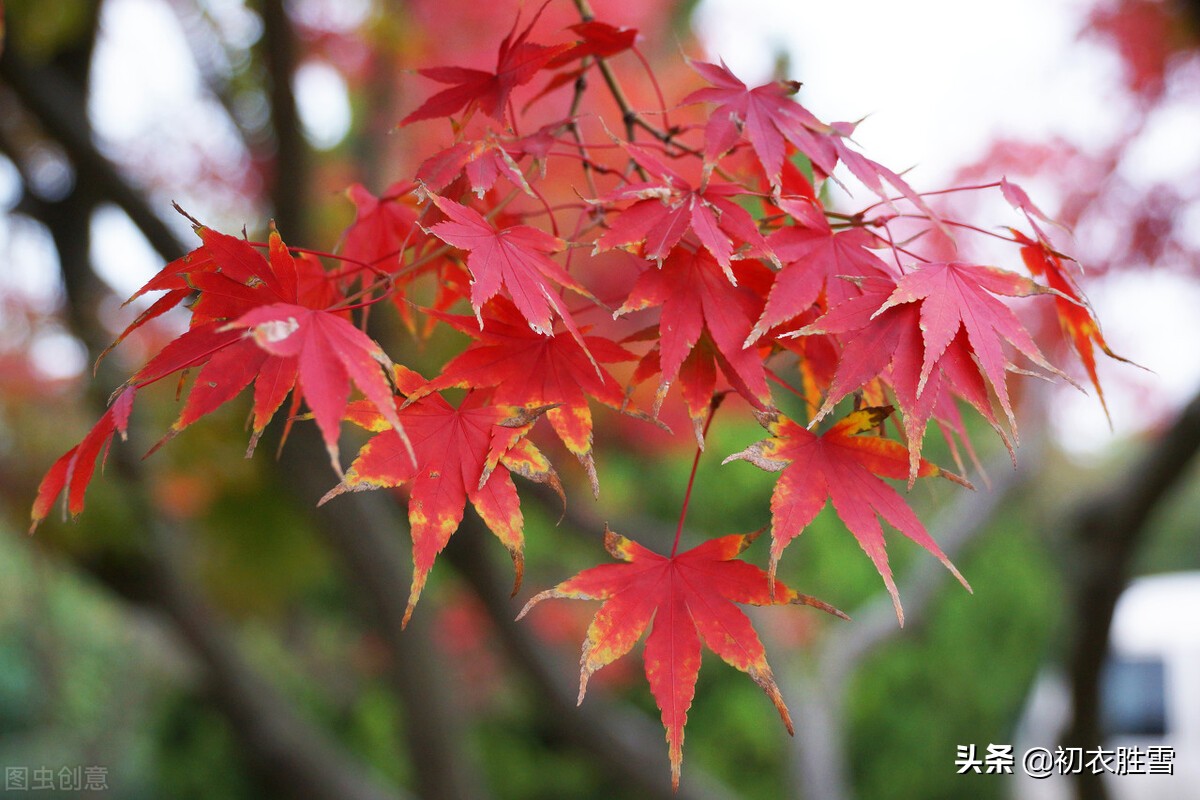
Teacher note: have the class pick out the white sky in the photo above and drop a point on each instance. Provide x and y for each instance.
(940, 80)
(937, 77)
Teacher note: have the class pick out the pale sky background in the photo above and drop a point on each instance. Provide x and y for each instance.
(938, 79)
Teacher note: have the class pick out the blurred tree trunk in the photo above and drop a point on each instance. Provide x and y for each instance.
(290, 756)
(1105, 532)
(820, 679)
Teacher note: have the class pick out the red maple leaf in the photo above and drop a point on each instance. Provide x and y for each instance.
(254, 321)
(329, 353)
(874, 175)
(1019, 199)
(74, 469)
(515, 258)
(814, 258)
(888, 344)
(234, 280)
(842, 466)
(599, 40)
(704, 322)
(383, 226)
(462, 454)
(690, 597)
(528, 369)
(955, 295)
(668, 207)
(767, 115)
(517, 62)
(1074, 315)
(229, 275)
(482, 160)
(770, 118)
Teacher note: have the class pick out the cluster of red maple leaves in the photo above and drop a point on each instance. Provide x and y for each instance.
(759, 288)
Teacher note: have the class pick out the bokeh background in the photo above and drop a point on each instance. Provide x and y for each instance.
(203, 631)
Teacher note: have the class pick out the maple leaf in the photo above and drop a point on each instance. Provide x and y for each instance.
(484, 159)
(383, 226)
(1019, 199)
(844, 467)
(705, 321)
(461, 454)
(954, 295)
(669, 207)
(517, 62)
(329, 353)
(254, 320)
(815, 257)
(767, 115)
(229, 274)
(514, 257)
(770, 118)
(690, 598)
(228, 277)
(874, 175)
(528, 369)
(1074, 315)
(599, 40)
(889, 344)
(74, 469)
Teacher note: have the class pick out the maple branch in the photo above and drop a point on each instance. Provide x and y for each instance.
(954, 223)
(952, 190)
(713, 405)
(631, 118)
(578, 92)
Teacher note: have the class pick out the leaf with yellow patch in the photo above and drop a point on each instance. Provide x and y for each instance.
(690, 598)
(844, 467)
(462, 454)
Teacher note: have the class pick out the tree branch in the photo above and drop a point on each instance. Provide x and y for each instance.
(819, 767)
(291, 164)
(59, 107)
(294, 757)
(291, 755)
(1105, 533)
(364, 530)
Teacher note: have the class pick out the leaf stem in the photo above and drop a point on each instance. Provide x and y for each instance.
(687, 496)
(631, 118)
(951, 190)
